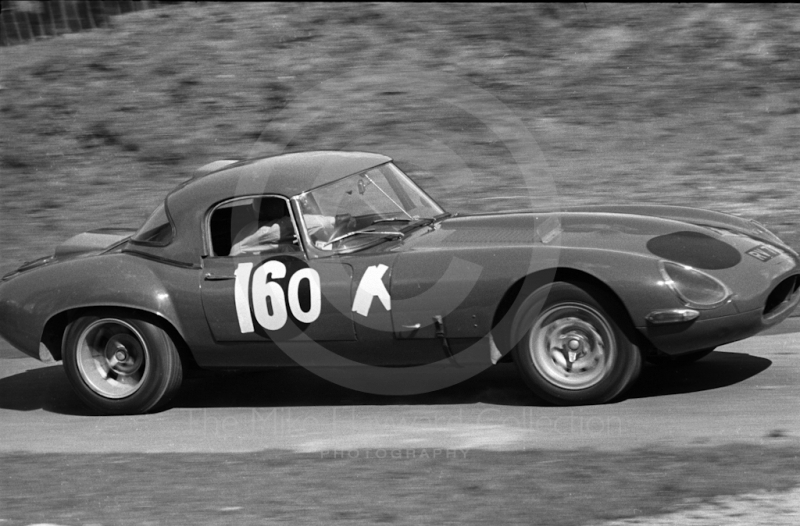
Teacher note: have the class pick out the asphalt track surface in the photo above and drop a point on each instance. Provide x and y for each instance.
(744, 392)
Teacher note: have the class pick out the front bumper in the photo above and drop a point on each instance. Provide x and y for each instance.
(679, 338)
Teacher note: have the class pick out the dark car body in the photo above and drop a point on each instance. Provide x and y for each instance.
(450, 278)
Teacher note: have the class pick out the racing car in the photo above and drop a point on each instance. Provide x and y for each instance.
(338, 261)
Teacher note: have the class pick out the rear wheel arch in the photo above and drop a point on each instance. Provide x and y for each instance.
(121, 361)
(55, 329)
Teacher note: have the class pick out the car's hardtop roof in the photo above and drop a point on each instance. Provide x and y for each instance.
(287, 174)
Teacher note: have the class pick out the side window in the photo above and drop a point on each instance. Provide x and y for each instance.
(252, 225)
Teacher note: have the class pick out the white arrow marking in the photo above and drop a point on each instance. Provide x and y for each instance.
(372, 285)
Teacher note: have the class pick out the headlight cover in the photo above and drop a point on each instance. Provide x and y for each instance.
(695, 288)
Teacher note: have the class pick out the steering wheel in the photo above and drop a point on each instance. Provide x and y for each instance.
(343, 223)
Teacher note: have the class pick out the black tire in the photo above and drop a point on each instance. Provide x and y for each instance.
(604, 361)
(681, 359)
(119, 363)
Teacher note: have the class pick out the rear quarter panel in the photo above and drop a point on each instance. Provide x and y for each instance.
(171, 292)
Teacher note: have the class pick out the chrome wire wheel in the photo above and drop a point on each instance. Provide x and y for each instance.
(112, 358)
(572, 346)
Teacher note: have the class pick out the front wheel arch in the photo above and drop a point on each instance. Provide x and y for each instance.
(522, 288)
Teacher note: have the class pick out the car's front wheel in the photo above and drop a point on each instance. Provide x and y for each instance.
(121, 364)
(570, 349)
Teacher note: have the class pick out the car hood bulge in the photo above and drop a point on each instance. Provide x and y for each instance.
(706, 247)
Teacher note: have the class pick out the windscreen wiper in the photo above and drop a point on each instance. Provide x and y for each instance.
(392, 220)
(400, 235)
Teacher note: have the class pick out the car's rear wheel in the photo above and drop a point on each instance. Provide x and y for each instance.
(570, 349)
(681, 359)
(121, 364)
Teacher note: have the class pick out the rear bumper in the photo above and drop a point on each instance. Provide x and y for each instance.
(17, 324)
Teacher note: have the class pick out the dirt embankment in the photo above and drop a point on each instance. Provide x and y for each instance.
(679, 104)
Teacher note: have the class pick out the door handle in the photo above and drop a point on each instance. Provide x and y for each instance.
(217, 277)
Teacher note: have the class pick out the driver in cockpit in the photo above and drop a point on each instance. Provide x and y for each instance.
(273, 227)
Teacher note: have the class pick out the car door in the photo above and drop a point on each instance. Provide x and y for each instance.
(374, 309)
(273, 295)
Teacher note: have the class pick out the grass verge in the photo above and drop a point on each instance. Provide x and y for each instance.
(383, 486)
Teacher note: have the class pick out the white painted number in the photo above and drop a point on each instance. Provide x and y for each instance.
(240, 289)
(316, 297)
(269, 301)
(268, 295)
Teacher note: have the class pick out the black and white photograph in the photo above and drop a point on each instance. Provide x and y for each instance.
(399, 263)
